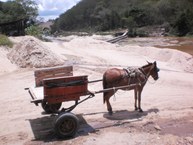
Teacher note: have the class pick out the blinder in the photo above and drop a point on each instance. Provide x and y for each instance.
(155, 77)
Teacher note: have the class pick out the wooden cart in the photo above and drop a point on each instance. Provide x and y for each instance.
(56, 85)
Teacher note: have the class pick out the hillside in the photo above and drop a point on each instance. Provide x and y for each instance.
(102, 15)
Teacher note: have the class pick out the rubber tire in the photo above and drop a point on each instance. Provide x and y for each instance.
(66, 125)
(51, 108)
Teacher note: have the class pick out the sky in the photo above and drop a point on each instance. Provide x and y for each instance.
(51, 9)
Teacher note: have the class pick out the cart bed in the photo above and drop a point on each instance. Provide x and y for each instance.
(57, 85)
(57, 90)
(37, 92)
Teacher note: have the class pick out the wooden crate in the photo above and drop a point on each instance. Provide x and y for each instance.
(51, 72)
(63, 89)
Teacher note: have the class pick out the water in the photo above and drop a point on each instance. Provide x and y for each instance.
(178, 43)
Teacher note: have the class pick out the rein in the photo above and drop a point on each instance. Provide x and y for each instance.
(146, 75)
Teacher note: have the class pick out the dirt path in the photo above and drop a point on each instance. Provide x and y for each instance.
(167, 103)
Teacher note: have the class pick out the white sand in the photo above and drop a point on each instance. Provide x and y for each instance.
(5, 64)
(30, 52)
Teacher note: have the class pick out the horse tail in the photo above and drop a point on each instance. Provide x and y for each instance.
(104, 87)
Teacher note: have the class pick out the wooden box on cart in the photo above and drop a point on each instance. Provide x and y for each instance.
(63, 89)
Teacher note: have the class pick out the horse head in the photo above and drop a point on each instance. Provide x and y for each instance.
(154, 71)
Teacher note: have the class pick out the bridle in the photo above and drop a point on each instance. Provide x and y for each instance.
(149, 73)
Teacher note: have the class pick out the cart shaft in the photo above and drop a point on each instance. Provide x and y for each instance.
(115, 88)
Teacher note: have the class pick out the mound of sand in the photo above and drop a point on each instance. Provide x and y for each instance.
(30, 52)
(173, 58)
(6, 65)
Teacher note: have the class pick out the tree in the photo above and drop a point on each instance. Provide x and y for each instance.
(18, 9)
(16, 15)
(11, 11)
(102, 15)
(30, 8)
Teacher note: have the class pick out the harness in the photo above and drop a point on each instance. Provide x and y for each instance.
(135, 73)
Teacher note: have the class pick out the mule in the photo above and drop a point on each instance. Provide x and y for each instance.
(136, 78)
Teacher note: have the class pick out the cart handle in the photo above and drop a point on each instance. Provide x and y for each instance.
(115, 88)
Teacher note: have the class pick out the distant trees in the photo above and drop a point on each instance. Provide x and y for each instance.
(102, 15)
(17, 13)
(18, 9)
(30, 8)
(11, 11)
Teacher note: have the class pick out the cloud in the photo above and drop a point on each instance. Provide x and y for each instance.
(54, 8)
(50, 9)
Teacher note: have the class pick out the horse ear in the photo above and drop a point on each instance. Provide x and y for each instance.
(148, 62)
(155, 62)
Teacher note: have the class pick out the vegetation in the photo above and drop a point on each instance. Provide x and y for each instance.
(175, 16)
(34, 31)
(18, 9)
(4, 41)
(17, 14)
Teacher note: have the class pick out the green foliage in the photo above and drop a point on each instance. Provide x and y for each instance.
(4, 41)
(30, 8)
(14, 11)
(34, 31)
(18, 9)
(10, 11)
(102, 15)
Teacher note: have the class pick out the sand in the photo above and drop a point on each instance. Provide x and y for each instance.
(167, 103)
(30, 52)
(6, 66)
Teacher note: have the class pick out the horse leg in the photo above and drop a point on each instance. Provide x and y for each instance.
(109, 108)
(135, 95)
(139, 101)
(106, 99)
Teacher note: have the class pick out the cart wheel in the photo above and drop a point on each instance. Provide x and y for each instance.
(51, 108)
(66, 125)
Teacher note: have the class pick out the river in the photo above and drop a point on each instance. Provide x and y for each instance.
(180, 43)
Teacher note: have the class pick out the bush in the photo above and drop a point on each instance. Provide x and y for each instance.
(34, 31)
(4, 41)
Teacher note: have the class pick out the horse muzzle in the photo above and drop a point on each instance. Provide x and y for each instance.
(156, 78)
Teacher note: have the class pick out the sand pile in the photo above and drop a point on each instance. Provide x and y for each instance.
(88, 42)
(30, 52)
(6, 65)
(95, 47)
(180, 60)
(173, 58)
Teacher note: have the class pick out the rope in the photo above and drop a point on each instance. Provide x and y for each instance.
(114, 98)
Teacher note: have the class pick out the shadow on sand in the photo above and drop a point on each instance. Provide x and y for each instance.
(129, 115)
(43, 127)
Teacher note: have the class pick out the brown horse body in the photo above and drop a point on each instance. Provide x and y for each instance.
(136, 77)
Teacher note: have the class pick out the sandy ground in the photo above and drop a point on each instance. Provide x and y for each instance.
(167, 103)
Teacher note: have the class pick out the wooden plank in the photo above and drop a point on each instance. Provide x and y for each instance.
(51, 72)
(36, 94)
(116, 39)
(65, 88)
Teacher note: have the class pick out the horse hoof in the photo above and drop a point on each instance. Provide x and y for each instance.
(110, 113)
(140, 110)
(136, 109)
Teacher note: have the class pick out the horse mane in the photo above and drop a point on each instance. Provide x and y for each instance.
(147, 65)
